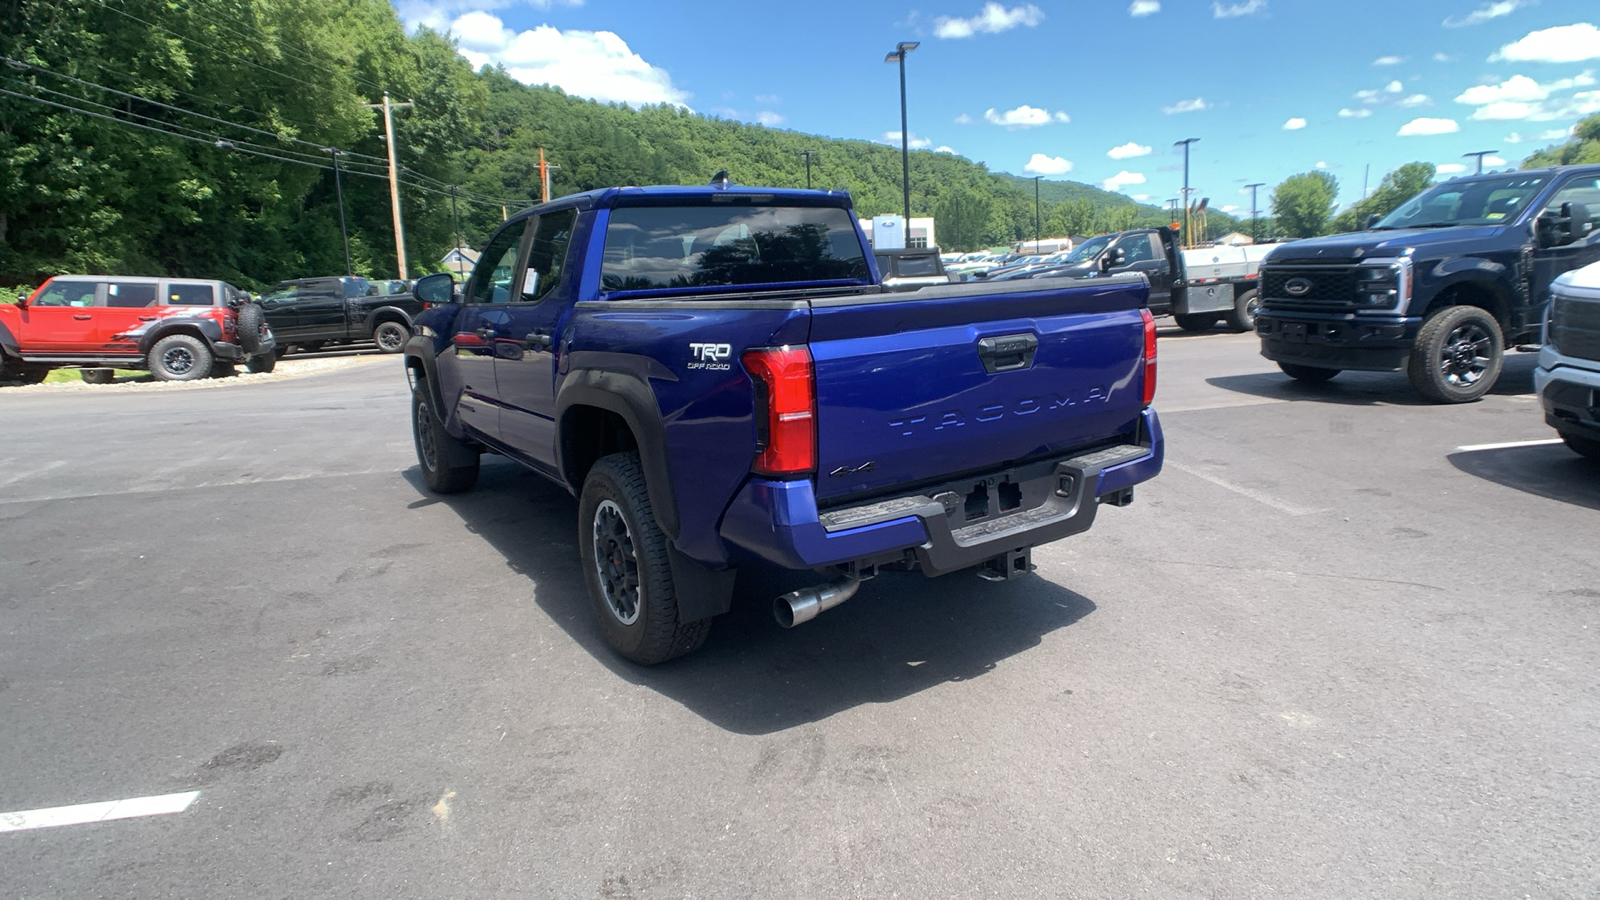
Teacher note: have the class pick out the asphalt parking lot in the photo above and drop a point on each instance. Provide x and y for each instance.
(1344, 647)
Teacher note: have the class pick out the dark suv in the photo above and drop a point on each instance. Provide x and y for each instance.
(180, 329)
(310, 313)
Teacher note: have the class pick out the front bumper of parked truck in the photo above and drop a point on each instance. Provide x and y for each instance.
(1337, 340)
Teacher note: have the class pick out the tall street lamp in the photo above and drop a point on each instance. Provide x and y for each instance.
(1188, 239)
(808, 154)
(899, 56)
(1252, 188)
(1480, 154)
(1036, 213)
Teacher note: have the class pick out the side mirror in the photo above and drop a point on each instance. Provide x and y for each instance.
(1557, 228)
(1371, 221)
(22, 300)
(438, 288)
(1115, 258)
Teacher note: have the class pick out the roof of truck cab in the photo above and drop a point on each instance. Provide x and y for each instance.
(610, 198)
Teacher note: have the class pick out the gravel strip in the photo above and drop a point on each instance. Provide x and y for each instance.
(286, 369)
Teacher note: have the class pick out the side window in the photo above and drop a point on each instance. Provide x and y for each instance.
(491, 277)
(1583, 190)
(1137, 248)
(547, 256)
(282, 296)
(67, 293)
(190, 295)
(131, 296)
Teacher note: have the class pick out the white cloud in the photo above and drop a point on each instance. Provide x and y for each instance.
(1486, 12)
(1047, 165)
(1394, 87)
(1389, 60)
(1494, 161)
(594, 64)
(1025, 117)
(1426, 126)
(943, 149)
(1183, 106)
(768, 99)
(1294, 124)
(1128, 151)
(1140, 197)
(1230, 208)
(1561, 44)
(1416, 100)
(1321, 164)
(1141, 8)
(1235, 10)
(1443, 57)
(1521, 98)
(1522, 88)
(1554, 134)
(769, 118)
(1354, 113)
(892, 138)
(1450, 169)
(992, 19)
(1122, 179)
(963, 119)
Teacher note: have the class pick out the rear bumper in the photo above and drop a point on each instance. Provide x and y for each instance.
(779, 523)
(1570, 397)
(1337, 341)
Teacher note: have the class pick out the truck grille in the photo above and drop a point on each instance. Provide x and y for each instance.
(1575, 327)
(1331, 287)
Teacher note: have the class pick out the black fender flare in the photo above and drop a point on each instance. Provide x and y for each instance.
(8, 343)
(630, 397)
(209, 330)
(370, 323)
(1492, 277)
(419, 356)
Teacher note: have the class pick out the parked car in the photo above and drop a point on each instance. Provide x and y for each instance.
(1440, 288)
(1568, 376)
(715, 375)
(179, 329)
(311, 313)
(910, 268)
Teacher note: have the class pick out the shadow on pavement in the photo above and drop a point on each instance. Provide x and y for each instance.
(1369, 388)
(901, 634)
(1545, 470)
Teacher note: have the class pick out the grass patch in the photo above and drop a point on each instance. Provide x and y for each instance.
(57, 376)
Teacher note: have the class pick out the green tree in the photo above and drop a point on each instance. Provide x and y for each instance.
(1584, 147)
(1396, 188)
(1303, 204)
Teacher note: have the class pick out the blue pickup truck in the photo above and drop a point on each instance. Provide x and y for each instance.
(719, 377)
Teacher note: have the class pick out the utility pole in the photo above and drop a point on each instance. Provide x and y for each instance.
(808, 154)
(394, 177)
(544, 177)
(338, 189)
(1480, 154)
(454, 215)
(1252, 188)
(1187, 239)
(1036, 213)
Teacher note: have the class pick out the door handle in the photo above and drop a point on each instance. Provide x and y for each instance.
(538, 340)
(81, 318)
(486, 333)
(148, 318)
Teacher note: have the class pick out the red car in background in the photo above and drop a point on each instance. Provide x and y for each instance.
(179, 329)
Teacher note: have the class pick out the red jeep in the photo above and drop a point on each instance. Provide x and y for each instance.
(180, 329)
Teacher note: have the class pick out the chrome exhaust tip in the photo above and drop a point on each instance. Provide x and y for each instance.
(799, 607)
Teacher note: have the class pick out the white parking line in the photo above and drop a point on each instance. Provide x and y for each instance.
(1506, 446)
(1243, 491)
(84, 813)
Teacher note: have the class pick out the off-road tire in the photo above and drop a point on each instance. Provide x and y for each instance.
(1243, 316)
(1457, 356)
(180, 357)
(1583, 446)
(1308, 374)
(435, 448)
(626, 564)
(97, 376)
(391, 336)
(260, 365)
(251, 321)
(1196, 322)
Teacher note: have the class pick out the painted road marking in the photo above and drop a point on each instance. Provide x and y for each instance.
(1506, 446)
(84, 813)
(1243, 491)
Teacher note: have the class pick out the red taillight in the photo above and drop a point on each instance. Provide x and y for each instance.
(1149, 356)
(785, 410)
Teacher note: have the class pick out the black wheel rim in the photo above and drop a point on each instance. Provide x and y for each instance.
(178, 360)
(616, 563)
(389, 337)
(1466, 355)
(426, 447)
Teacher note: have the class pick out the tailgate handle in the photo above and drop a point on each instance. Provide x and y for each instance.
(1007, 352)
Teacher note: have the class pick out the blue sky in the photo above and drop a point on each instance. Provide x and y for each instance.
(1095, 92)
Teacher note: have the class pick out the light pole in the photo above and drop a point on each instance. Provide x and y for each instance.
(899, 56)
(338, 190)
(807, 154)
(1480, 154)
(1188, 240)
(1252, 188)
(1036, 212)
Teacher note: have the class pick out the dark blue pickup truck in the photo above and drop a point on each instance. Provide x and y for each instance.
(718, 376)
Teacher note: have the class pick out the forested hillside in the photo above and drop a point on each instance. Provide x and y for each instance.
(196, 137)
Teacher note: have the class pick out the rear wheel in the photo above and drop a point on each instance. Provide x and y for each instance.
(625, 561)
(1579, 444)
(1243, 316)
(441, 456)
(97, 376)
(391, 336)
(1457, 356)
(1310, 374)
(1196, 321)
(258, 365)
(180, 357)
